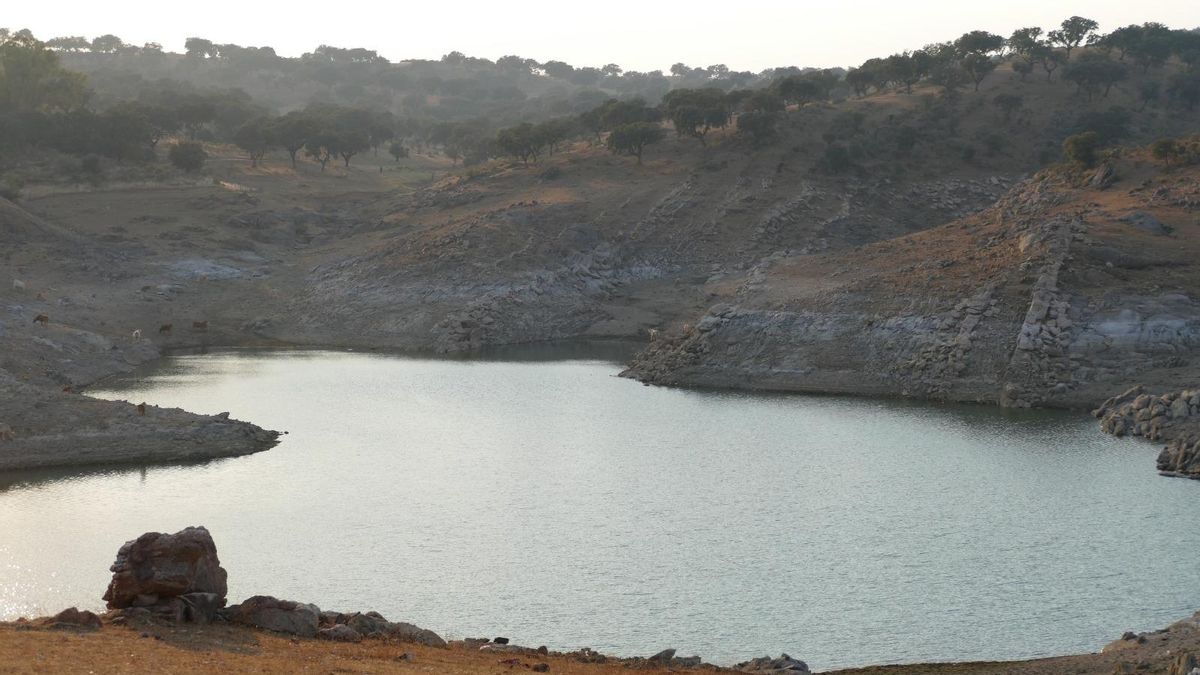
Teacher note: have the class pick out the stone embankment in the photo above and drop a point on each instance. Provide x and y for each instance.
(1173, 417)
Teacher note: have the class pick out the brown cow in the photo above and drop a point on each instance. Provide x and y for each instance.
(141, 408)
(68, 389)
(165, 329)
(42, 319)
(199, 325)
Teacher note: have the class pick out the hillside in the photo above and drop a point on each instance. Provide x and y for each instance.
(1071, 285)
(892, 243)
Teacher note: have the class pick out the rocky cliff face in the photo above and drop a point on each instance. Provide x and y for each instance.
(1055, 296)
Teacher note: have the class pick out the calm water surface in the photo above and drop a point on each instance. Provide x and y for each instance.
(554, 503)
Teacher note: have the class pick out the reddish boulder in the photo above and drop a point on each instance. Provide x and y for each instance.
(156, 568)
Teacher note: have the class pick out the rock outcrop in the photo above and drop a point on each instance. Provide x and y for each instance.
(281, 616)
(1173, 417)
(778, 666)
(175, 576)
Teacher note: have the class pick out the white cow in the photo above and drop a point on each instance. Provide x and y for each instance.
(18, 285)
(137, 334)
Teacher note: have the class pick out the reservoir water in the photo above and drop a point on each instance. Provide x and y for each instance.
(549, 501)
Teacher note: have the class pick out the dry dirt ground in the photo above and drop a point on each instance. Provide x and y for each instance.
(228, 649)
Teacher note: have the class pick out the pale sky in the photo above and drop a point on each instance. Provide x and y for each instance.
(638, 35)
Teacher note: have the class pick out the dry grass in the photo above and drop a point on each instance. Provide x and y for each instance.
(225, 649)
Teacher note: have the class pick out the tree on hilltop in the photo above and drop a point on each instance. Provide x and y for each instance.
(1073, 32)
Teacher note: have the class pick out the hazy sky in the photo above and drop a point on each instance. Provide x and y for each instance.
(638, 35)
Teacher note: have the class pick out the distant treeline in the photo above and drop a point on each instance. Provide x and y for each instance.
(42, 103)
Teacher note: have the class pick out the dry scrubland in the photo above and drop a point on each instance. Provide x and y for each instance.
(964, 269)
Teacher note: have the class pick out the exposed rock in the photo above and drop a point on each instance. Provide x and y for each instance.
(371, 624)
(1173, 417)
(1103, 177)
(663, 657)
(766, 664)
(1180, 458)
(374, 625)
(406, 632)
(201, 607)
(340, 633)
(157, 567)
(1146, 222)
(1184, 664)
(282, 616)
(72, 617)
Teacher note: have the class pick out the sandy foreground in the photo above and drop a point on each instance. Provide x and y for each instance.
(30, 647)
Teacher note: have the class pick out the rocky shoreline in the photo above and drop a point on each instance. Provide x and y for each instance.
(174, 585)
(1173, 417)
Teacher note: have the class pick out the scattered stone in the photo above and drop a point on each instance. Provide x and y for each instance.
(500, 640)
(540, 667)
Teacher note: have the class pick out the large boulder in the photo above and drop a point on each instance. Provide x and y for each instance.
(283, 616)
(766, 665)
(156, 568)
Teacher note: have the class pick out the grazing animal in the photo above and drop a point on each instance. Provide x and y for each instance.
(137, 334)
(68, 389)
(42, 319)
(200, 325)
(18, 285)
(165, 329)
(6, 432)
(653, 332)
(141, 408)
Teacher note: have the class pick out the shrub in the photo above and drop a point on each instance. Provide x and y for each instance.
(10, 188)
(837, 159)
(89, 165)
(1081, 148)
(187, 156)
(1176, 150)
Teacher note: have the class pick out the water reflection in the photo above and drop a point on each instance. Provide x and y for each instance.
(551, 501)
